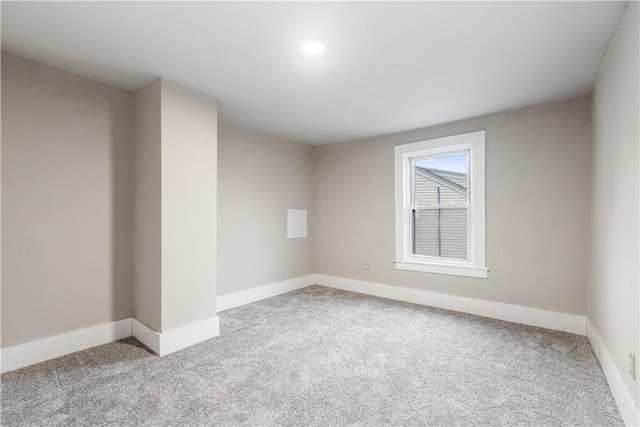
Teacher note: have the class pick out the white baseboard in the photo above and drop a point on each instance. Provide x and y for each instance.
(628, 410)
(236, 299)
(188, 335)
(19, 356)
(48, 348)
(572, 323)
(146, 335)
(172, 340)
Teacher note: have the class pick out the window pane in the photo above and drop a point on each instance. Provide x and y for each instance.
(440, 233)
(441, 180)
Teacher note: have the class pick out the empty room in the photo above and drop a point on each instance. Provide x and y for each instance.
(320, 213)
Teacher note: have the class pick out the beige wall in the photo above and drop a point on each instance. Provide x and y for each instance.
(537, 195)
(189, 201)
(175, 206)
(147, 205)
(614, 298)
(66, 202)
(259, 178)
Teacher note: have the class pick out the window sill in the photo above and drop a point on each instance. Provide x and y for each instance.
(454, 270)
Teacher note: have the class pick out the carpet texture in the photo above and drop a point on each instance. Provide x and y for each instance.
(320, 356)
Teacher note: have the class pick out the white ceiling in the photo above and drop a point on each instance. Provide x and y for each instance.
(387, 67)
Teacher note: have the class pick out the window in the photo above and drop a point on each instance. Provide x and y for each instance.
(440, 217)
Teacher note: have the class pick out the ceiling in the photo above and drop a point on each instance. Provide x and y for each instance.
(387, 66)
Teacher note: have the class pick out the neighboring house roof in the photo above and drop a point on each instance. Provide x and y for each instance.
(436, 176)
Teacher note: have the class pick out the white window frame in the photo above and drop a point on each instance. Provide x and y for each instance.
(405, 155)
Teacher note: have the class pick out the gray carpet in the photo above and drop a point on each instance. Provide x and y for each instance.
(320, 356)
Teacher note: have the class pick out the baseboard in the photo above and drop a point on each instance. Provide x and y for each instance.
(624, 400)
(33, 352)
(572, 323)
(236, 299)
(172, 340)
(185, 336)
(146, 335)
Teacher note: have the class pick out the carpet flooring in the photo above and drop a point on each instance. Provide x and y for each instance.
(320, 356)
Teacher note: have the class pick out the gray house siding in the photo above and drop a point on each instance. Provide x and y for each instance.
(440, 232)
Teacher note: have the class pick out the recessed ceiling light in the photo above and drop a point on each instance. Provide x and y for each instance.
(313, 48)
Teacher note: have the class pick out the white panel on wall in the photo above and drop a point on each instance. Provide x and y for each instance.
(296, 223)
